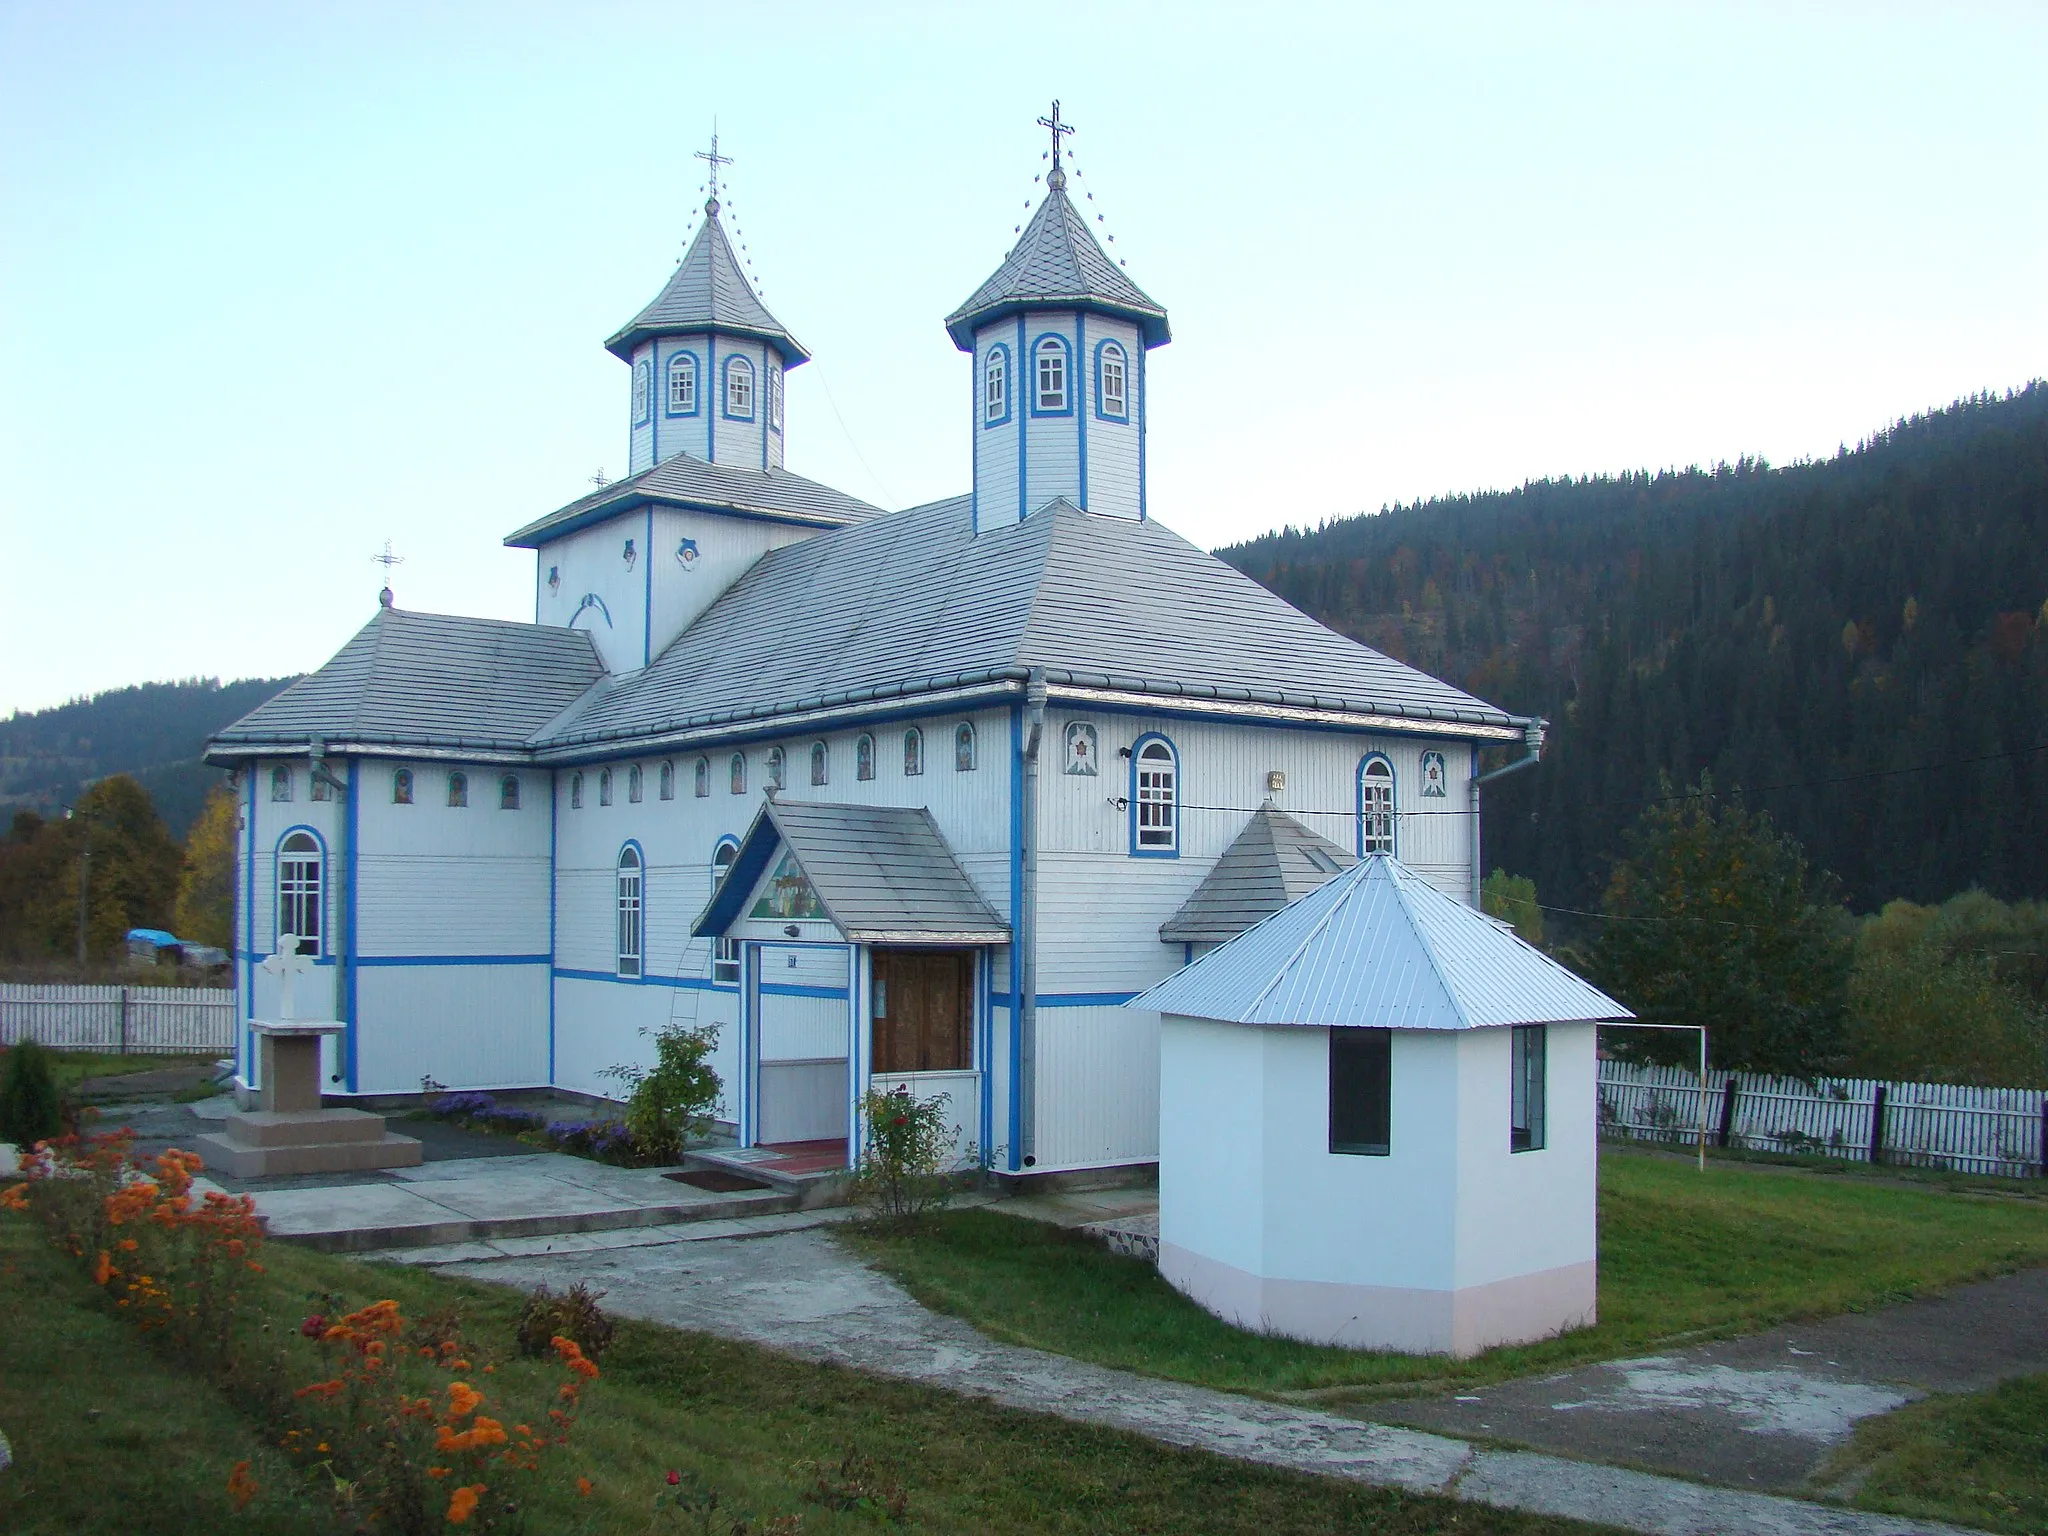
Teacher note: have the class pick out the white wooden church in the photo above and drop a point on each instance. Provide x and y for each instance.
(893, 797)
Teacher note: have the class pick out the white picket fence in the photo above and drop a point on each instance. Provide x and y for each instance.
(2000, 1131)
(199, 1020)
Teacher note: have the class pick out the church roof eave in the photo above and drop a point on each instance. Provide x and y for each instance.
(1153, 330)
(621, 344)
(682, 480)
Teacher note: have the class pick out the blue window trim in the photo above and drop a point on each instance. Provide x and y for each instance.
(321, 950)
(643, 368)
(1009, 387)
(618, 862)
(696, 388)
(1393, 782)
(772, 377)
(1137, 750)
(725, 409)
(1101, 349)
(1066, 347)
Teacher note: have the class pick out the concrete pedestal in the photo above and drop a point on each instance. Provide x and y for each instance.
(291, 1133)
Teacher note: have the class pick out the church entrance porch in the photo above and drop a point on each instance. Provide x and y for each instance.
(921, 1029)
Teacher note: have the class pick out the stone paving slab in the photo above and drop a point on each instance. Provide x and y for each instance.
(603, 1242)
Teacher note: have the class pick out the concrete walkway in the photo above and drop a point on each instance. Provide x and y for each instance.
(802, 1293)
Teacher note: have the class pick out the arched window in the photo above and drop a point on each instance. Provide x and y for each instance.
(736, 771)
(725, 953)
(700, 777)
(913, 752)
(778, 767)
(1155, 798)
(682, 384)
(604, 786)
(821, 763)
(631, 907)
(1049, 391)
(864, 756)
(508, 792)
(739, 389)
(458, 789)
(774, 395)
(963, 747)
(995, 387)
(1375, 806)
(401, 787)
(281, 782)
(1112, 382)
(299, 904)
(640, 381)
(576, 791)
(668, 781)
(633, 784)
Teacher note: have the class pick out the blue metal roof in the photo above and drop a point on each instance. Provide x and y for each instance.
(1380, 948)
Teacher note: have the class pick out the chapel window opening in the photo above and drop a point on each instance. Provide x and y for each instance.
(668, 781)
(630, 911)
(1375, 807)
(640, 379)
(821, 763)
(281, 784)
(739, 389)
(576, 791)
(1361, 1091)
(1111, 388)
(963, 747)
(725, 953)
(633, 785)
(458, 789)
(604, 786)
(700, 777)
(1156, 799)
(864, 757)
(913, 753)
(1528, 1065)
(682, 384)
(508, 792)
(778, 767)
(300, 872)
(401, 787)
(1052, 375)
(736, 773)
(774, 396)
(995, 387)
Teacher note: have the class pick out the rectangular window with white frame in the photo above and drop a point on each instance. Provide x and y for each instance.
(1527, 1069)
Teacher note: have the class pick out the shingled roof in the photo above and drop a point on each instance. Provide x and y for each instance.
(1056, 264)
(708, 293)
(915, 601)
(426, 680)
(1273, 861)
(691, 482)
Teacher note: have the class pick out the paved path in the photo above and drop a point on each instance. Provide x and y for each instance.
(801, 1293)
(1764, 1411)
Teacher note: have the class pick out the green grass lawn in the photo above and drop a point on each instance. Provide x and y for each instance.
(107, 1436)
(70, 1068)
(1684, 1255)
(1981, 1459)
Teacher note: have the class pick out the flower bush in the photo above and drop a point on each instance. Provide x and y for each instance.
(606, 1141)
(670, 1103)
(483, 1112)
(904, 1161)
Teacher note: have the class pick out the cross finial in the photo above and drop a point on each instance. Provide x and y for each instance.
(714, 159)
(1059, 130)
(387, 560)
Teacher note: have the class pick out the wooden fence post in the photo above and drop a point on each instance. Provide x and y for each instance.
(2044, 1138)
(1727, 1109)
(124, 1021)
(1877, 1126)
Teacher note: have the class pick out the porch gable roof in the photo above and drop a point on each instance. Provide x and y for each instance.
(883, 874)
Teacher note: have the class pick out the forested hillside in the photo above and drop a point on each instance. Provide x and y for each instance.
(1859, 645)
(153, 732)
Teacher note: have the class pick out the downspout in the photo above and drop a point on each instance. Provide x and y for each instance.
(1532, 742)
(1027, 923)
(343, 862)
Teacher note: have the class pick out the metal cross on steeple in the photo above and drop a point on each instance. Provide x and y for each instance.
(387, 560)
(1059, 130)
(714, 159)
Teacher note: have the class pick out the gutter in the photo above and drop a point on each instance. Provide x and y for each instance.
(1532, 742)
(1027, 925)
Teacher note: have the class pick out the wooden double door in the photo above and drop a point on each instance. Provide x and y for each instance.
(923, 1010)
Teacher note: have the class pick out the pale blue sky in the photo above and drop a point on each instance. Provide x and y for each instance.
(280, 282)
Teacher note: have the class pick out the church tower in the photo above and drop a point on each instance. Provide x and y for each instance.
(707, 359)
(1059, 336)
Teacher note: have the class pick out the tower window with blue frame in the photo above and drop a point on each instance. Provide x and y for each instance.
(1112, 382)
(1155, 798)
(1049, 391)
(640, 383)
(739, 389)
(774, 395)
(301, 868)
(995, 386)
(682, 384)
(631, 905)
(1375, 806)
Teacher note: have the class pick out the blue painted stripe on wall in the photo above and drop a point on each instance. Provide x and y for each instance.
(353, 1037)
(778, 989)
(389, 960)
(1023, 444)
(1016, 999)
(554, 876)
(690, 983)
(1080, 393)
(254, 771)
(1069, 1000)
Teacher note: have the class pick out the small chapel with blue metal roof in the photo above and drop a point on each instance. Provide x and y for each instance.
(915, 798)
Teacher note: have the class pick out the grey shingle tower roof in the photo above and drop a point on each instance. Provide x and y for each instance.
(690, 482)
(884, 875)
(427, 680)
(1056, 264)
(708, 293)
(1273, 861)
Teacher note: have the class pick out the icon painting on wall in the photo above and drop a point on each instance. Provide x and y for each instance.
(1080, 750)
(1435, 782)
(788, 894)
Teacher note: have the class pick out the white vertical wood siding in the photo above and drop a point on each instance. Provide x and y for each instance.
(995, 447)
(641, 439)
(726, 548)
(1052, 447)
(1098, 1087)
(672, 435)
(1112, 445)
(591, 562)
(741, 444)
(483, 1026)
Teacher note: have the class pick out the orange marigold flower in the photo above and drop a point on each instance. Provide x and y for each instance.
(585, 1368)
(458, 1365)
(462, 1399)
(439, 1471)
(241, 1486)
(583, 1486)
(14, 1197)
(463, 1504)
(487, 1431)
(126, 1245)
(104, 1270)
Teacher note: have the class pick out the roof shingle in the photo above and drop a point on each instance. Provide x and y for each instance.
(1056, 264)
(707, 293)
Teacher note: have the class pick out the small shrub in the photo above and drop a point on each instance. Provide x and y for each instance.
(572, 1314)
(670, 1103)
(902, 1172)
(31, 1109)
(858, 1485)
(607, 1141)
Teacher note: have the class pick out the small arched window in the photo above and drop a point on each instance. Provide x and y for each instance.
(604, 786)
(736, 772)
(913, 752)
(633, 784)
(668, 781)
(1112, 382)
(864, 756)
(640, 382)
(508, 792)
(300, 908)
(576, 791)
(963, 747)
(631, 910)
(281, 782)
(778, 767)
(821, 763)
(1050, 382)
(995, 386)
(700, 777)
(1155, 798)
(774, 395)
(401, 787)
(725, 953)
(682, 384)
(458, 789)
(739, 389)
(1375, 806)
